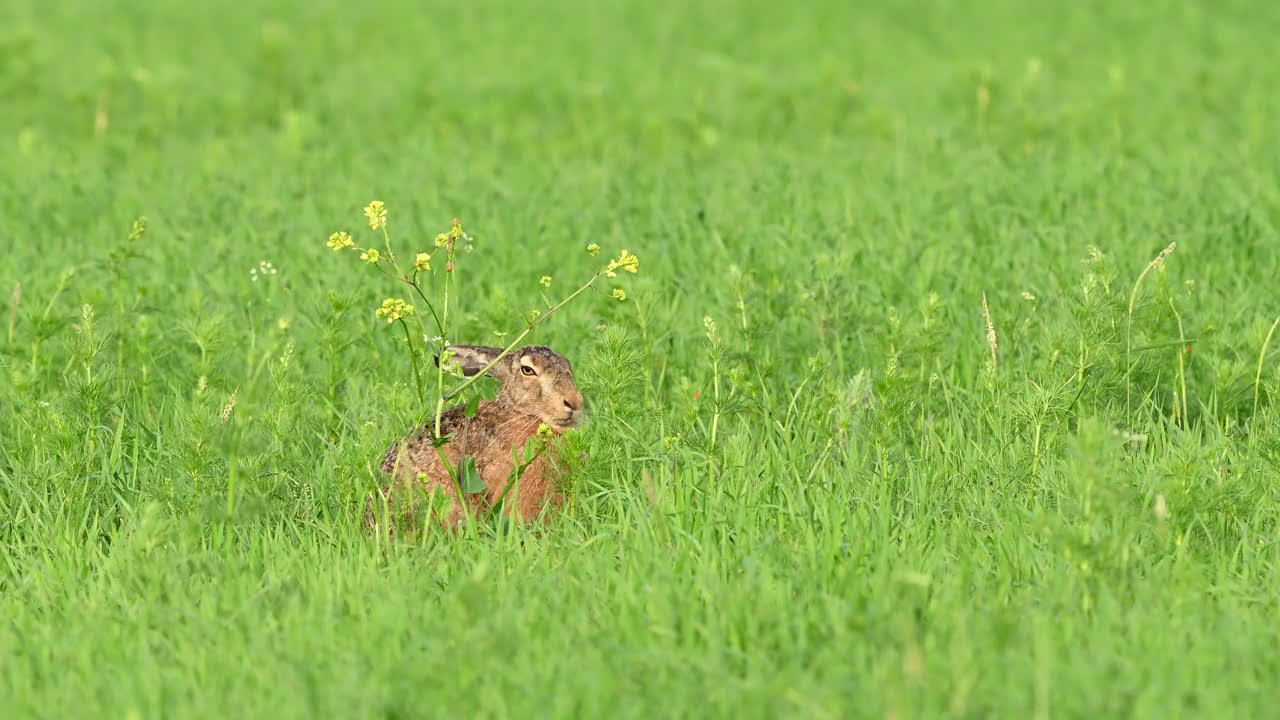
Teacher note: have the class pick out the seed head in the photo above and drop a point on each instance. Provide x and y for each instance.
(230, 406)
(991, 333)
(713, 333)
(138, 230)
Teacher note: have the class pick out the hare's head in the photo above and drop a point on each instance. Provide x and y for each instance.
(535, 381)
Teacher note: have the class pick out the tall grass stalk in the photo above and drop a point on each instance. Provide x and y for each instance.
(1262, 358)
(1128, 330)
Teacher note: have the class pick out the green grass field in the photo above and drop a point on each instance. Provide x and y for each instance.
(890, 522)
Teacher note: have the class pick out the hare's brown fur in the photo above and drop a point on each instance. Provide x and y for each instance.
(545, 393)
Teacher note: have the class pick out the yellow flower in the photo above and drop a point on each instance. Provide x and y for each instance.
(593, 248)
(394, 309)
(376, 211)
(546, 281)
(544, 430)
(340, 241)
(422, 262)
(370, 256)
(442, 240)
(455, 232)
(619, 294)
(534, 315)
(626, 261)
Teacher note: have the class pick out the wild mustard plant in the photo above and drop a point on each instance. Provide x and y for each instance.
(436, 299)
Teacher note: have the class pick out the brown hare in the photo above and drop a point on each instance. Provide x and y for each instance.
(537, 388)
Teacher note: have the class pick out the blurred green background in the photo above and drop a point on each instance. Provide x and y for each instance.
(888, 526)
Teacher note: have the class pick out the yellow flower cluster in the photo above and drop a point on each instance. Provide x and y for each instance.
(376, 212)
(394, 309)
(422, 262)
(371, 256)
(592, 249)
(626, 261)
(619, 294)
(340, 241)
(545, 281)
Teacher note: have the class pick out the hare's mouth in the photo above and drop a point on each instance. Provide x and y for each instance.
(565, 422)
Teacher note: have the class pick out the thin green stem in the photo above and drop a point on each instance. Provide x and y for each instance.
(1182, 363)
(14, 301)
(444, 342)
(386, 240)
(400, 275)
(1035, 451)
(397, 273)
(430, 307)
(795, 397)
(1128, 330)
(715, 385)
(454, 478)
(413, 360)
(523, 334)
(231, 499)
(1262, 357)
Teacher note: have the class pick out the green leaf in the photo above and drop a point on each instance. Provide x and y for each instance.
(529, 452)
(473, 406)
(469, 477)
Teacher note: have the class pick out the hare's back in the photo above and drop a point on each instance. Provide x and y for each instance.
(416, 450)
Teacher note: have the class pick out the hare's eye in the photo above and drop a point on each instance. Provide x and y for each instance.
(527, 370)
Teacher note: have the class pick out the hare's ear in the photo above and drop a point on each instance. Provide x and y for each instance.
(471, 359)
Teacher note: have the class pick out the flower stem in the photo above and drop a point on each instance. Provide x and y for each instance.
(1262, 357)
(413, 360)
(715, 384)
(432, 308)
(444, 343)
(523, 334)
(399, 274)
